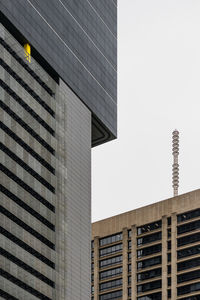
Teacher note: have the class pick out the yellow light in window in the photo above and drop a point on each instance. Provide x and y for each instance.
(27, 52)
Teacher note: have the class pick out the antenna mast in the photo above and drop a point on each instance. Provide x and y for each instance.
(175, 166)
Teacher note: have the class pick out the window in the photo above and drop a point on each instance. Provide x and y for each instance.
(129, 292)
(110, 250)
(169, 245)
(149, 238)
(109, 296)
(169, 257)
(149, 286)
(188, 276)
(149, 274)
(188, 239)
(188, 264)
(188, 251)
(110, 284)
(129, 279)
(110, 273)
(185, 289)
(92, 289)
(169, 269)
(129, 268)
(169, 294)
(149, 227)
(129, 233)
(149, 262)
(110, 239)
(169, 233)
(155, 296)
(129, 244)
(110, 261)
(188, 227)
(169, 221)
(149, 250)
(129, 256)
(188, 215)
(169, 281)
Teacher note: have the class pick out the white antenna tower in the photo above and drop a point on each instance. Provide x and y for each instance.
(175, 166)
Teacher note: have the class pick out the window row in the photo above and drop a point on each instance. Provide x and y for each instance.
(185, 289)
(112, 295)
(110, 250)
(188, 264)
(27, 207)
(27, 188)
(188, 227)
(188, 215)
(110, 284)
(21, 122)
(110, 239)
(110, 261)
(26, 247)
(26, 267)
(155, 296)
(149, 238)
(188, 251)
(188, 276)
(149, 262)
(188, 239)
(149, 274)
(149, 227)
(149, 286)
(110, 273)
(149, 250)
(27, 147)
(27, 88)
(23, 285)
(21, 102)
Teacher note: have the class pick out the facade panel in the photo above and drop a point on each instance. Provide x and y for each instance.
(45, 182)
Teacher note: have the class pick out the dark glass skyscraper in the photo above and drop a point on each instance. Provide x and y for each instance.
(57, 99)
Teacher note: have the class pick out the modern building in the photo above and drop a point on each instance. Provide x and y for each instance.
(58, 98)
(150, 253)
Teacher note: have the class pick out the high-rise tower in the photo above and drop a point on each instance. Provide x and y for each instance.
(57, 99)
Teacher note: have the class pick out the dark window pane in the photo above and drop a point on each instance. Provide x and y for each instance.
(188, 288)
(110, 261)
(149, 274)
(188, 215)
(149, 250)
(110, 239)
(188, 264)
(188, 239)
(149, 238)
(188, 227)
(149, 227)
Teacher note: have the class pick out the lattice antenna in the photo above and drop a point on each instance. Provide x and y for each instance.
(175, 166)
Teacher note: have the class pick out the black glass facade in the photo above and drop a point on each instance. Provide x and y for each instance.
(78, 40)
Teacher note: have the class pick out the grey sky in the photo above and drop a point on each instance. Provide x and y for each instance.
(158, 91)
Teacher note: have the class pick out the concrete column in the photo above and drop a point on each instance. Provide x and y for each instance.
(174, 256)
(164, 258)
(96, 268)
(133, 262)
(125, 264)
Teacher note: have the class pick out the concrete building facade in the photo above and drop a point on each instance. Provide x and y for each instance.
(150, 253)
(55, 104)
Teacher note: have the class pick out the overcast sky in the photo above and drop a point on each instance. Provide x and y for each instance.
(158, 91)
